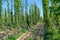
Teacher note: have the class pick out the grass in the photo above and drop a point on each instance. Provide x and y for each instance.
(1, 30)
(15, 36)
(28, 38)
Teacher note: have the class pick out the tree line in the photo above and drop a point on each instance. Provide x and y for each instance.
(51, 14)
(21, 15)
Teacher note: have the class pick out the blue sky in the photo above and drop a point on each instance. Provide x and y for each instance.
(38, 2)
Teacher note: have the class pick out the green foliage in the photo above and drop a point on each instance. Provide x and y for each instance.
(28, 17)
(52, 33)
(34, 14)
(1, 30)
(14, 37)
(0, 13)
(16, 9)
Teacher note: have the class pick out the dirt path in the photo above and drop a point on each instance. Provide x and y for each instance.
(27, 34)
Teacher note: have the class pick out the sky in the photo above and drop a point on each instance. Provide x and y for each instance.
(38, 2)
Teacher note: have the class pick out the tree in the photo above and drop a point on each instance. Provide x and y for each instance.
(26, 14)
(16, 10)
(31, 14)
(34, 14)
(51, 32)
(5, 17)
(45, 15)
(8, 14)
(21, 14)
(11, 12)
(45, 10)
(55, 4)
(0, 12)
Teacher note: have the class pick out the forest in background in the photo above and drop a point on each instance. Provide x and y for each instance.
(21, 14)
(25, 18)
